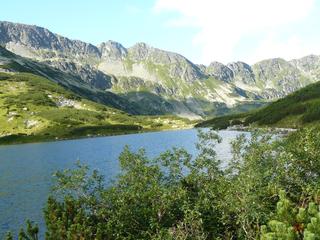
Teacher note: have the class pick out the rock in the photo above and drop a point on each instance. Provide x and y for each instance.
(63, 102)
(112, 51)
(10, 119)
(242, 72)
(220, 71)
(88, 74)
(30, 123)
(37, 38)
(12, 114)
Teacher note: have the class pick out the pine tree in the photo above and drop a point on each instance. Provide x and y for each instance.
(293, 223)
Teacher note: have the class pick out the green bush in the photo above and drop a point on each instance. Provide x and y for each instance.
(293, 222)
(177, 196)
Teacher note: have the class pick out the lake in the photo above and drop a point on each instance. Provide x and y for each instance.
(26, 170)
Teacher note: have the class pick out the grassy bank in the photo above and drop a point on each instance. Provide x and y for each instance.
(34, 109)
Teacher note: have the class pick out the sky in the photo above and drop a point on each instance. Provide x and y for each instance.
(201, 30)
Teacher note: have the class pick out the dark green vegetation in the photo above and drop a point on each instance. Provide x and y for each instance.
(269, 190)
(33, 108)
(298, 109)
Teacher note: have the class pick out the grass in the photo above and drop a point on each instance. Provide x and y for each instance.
(34, 109)
(298, 109)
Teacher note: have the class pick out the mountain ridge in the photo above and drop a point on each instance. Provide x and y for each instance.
(142, 73)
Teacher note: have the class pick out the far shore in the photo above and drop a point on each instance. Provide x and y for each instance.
(27, 139)
(277, 130)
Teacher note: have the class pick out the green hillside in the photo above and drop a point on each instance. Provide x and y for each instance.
(33, 108)
(298, 109)
(14, 63)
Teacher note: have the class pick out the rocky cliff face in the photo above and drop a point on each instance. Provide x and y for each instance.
(220, 71)
(280, 75)
(34, 38)
(144, 74)
(309, 65)
(112, 51)
(85, 73)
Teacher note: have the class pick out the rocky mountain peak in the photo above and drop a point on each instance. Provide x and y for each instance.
(308, 63)
(272, 68)
(112, 50)
(34, 37)
(175, 64)
(280, 75)
(29, 35)
(238, 67)
(242, 72)
(140, 51)
(141, 45)
(274, 62)
(220, 71)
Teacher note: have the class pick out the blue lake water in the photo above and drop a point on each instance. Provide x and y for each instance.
(26, 170)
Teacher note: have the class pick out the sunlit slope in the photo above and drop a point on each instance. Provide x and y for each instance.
(33, 108)
(296, 110)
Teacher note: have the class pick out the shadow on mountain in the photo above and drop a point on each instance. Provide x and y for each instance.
(152, 104)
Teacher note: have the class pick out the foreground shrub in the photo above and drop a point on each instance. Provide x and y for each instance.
(177, 196)
(293, 222)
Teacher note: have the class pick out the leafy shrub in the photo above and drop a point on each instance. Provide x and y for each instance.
(177, 196)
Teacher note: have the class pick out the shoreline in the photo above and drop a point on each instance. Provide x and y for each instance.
(28, 138)
(277, 130)
(33, 139)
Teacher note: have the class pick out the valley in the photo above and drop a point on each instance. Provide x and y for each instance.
(145, 80)
(101, 139)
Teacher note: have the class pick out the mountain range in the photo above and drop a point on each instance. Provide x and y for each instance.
(145, 80)
(41, 103)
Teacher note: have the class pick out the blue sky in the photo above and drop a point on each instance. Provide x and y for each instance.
(201, 30)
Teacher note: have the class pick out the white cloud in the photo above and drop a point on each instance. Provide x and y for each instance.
(223, 23)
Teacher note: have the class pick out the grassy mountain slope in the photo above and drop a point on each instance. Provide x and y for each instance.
(13, 63)
(296, 110)
(33, 108)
